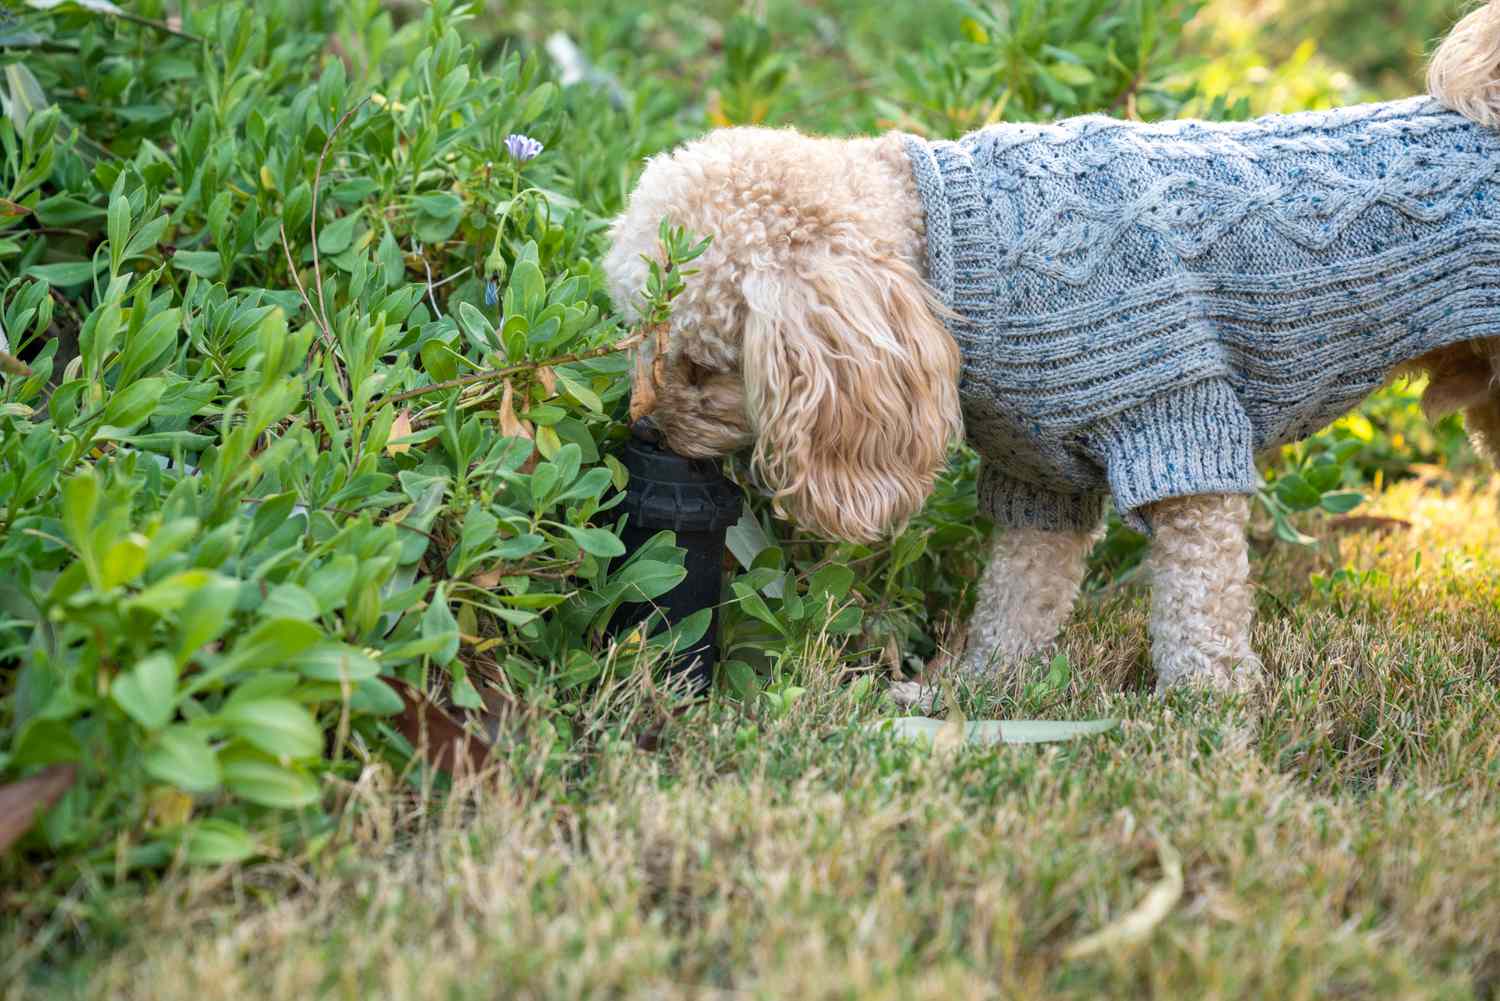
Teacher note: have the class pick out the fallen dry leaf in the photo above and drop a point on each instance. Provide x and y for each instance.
(1138, 924)
(487, 580)
(510, 425)
(439, 738)
(514, 427)
(548, 378)
(400, 428)
(21, 802)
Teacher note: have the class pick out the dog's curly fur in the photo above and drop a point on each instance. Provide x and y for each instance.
(811, 336)
(811, 299)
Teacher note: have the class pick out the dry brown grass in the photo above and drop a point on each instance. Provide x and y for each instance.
(1341, 838)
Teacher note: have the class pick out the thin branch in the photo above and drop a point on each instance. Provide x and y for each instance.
(161, 26)
(451, 278)
(324, 334)
(494, 375)
(317, 183)
(353, 514)
(430, 296)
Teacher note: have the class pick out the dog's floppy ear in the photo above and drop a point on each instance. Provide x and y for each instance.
(852, 387)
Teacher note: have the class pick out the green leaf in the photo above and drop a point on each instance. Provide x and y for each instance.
(439, 205)
(1325, 476)
(543, 482)
(478, 327)
(45, 742)
(183, 757)
(392, 264)
(274, 643)
(746, 539)
(464, 694)
(336, 237)
(216, 842)
(741, 677)
(1342, 503)
(278, 726)
(97, 6)
(590, 486)
(687, 633)
(26, 95)
(337, 662)
(130, 407)
(80, 496)
(169, 594)
(375, 697)
(439, 360)
(258, 780)
(596, 541)
(62, 275)
(1296, 493)
(536, 102)
(291, 601)
(643, 580)
(527, 289)
(124, 561)
(64, 210)
(119, 226)
(147, 692)
(205, 615)
(832, 581)
(148, 237)
(1286, 532)
(755, 606)
(580, 392)
(203, 263)
(438, 624)
(520, 547)
(1072, 74)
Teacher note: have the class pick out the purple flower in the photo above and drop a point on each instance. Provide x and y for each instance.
(522, 148)
(492, 293)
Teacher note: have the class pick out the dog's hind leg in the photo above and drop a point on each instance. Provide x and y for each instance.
(1202, 602)
(1483, 423)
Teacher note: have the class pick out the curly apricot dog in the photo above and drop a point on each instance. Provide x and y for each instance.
(1105, 309)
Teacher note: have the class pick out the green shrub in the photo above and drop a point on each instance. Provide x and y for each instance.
(310, 384)
(245, 511)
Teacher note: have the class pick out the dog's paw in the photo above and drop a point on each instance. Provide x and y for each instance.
(1242, 676)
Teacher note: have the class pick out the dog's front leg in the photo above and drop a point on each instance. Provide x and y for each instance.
(1025, 596)
(1202, 603)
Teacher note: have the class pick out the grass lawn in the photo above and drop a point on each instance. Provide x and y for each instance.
(1338, 838)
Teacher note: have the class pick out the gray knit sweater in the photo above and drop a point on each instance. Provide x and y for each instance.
(1142, 308)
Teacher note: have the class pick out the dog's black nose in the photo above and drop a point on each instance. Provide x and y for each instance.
(646, 430)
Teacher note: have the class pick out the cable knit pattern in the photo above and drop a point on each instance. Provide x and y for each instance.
(1141, 307)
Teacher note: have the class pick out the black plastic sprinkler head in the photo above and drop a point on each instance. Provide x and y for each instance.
(692, 498)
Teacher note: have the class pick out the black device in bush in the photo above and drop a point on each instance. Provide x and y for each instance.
(692, 498)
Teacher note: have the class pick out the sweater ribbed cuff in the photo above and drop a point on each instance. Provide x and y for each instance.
(1180, 443)
(1012, 503)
